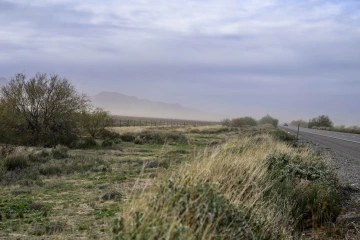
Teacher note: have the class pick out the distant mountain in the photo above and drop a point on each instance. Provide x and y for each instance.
(3, 81)
(120, 104)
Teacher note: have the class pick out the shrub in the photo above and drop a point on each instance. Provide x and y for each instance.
(244, 121)
(127, 137)
(226, 122)
(311, 187)
(161, 137)
(138, 140)
(94, 122)
(269, 120)
(109, 134)
(60, 152)
(320, 121)
(16, 162)
(301, 122)
(107, 143)
(85, 143)
(49, 170)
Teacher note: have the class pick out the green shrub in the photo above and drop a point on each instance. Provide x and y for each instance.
(107, 143)
(269, 120)
(16, 162)
(85, 143)
(320, 121)
(244, 121)
(109, 134)
(49, 170)
(127, 137)
(60, 152)
(309, 188)
(39, 156)
(138, 140)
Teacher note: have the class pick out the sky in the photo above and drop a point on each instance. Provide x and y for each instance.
(292, 59)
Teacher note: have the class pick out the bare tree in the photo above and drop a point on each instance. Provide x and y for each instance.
(44, 108)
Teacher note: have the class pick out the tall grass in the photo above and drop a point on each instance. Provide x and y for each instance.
(249, 188)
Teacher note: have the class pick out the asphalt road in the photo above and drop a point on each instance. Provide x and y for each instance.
(343, 148)
(349, 137)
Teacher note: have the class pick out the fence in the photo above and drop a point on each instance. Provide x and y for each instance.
(127, 121)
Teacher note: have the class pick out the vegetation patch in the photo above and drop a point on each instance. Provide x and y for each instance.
(185, 212)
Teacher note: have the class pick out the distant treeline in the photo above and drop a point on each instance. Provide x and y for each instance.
(323, 122)
(249, 121)
(130, 121)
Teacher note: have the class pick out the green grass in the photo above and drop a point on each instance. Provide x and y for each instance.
(79, 192)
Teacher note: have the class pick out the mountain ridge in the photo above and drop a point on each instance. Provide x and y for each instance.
(121, 104)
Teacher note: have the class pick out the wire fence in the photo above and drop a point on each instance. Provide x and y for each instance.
(128, 121)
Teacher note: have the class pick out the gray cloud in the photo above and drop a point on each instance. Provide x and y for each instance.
(252, 57)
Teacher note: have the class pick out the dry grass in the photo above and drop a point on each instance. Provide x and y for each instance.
(216, 180)
(236, 170)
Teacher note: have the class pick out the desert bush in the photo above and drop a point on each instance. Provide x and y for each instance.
(106, 134)
(95, 121)
(138, 140)
(127, 137)
(51, 169)
(107, 143)
(85, 143)
(269, 120)
(60, 152)
(301, 122)
(244, 121)
(320, 121)
(161, 137)
(16, 162)
(311, 187)
(219, 130)
(226, 122)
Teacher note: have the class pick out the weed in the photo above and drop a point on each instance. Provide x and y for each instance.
(60, 152)
(85, 143)
(16, 162)
(107, 143)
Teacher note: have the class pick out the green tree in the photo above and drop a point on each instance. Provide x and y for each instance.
(41, 110)
(226, 122)
(94, 122)
(243, 121)
(301, 122)
(320, 121)
(269, 120)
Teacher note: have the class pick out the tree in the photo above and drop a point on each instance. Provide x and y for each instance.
(244, 121)
(226, 122)
(41, 110)
(320, 121)
(301, 122)
(94, 122)
(269, 120)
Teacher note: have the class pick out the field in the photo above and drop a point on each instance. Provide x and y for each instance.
(128, 121)
(188, 182)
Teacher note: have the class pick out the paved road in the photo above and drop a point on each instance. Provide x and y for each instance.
(343, 148)
(349, 137)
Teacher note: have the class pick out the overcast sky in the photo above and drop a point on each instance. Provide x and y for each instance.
(292, 59)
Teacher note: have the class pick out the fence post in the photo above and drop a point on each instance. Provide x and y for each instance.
(297, 135)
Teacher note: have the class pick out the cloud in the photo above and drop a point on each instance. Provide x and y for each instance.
(205, 53)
